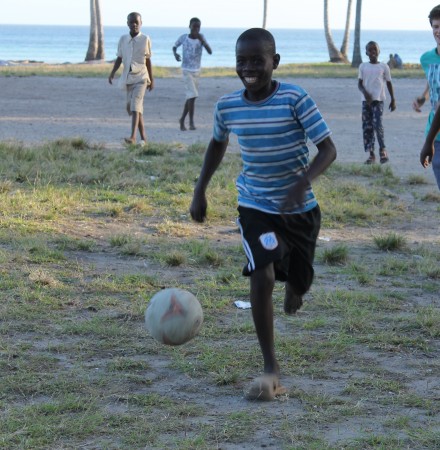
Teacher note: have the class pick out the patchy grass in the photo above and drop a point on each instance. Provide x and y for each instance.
(88, 235)
(390, 242)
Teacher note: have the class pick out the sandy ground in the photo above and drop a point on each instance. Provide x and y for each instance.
(36, 109)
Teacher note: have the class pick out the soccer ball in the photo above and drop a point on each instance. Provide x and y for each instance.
(173, 316)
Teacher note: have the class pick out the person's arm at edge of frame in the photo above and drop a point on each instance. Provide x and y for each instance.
(392, 106)
(325, 156)
(427, 151)
(213, 157)
(116, 65)
(420, 101)
(150, 73)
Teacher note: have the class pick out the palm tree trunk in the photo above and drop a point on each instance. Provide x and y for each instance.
(95, 51)
(93, 39)
(357, 57)
(264, 13)
(100, 52)
(335, 55)
(346, 40)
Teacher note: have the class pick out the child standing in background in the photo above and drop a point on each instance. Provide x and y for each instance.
(192, 45)
(373, 76)
(134, 52)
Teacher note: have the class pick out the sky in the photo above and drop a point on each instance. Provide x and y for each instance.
(376, 14)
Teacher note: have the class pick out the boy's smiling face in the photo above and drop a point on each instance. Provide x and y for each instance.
(435, 25)
(372, 51)
(255, 62)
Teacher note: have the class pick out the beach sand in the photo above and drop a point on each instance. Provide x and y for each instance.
(37, 109)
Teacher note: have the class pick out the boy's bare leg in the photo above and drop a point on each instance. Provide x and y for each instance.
(292, 301)
(182, 118)
(141, 128)
(262, 284)
(191, 109)
(134, 126)
(267, 386)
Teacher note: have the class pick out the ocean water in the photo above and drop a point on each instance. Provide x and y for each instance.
(61, 44)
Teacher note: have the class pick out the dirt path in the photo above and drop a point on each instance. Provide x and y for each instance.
(35, 109)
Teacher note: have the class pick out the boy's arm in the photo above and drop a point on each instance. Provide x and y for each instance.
(213, 157)
(428, 147)
(205, 44)
(326, 155)
(419, 101)
(176, 55)
(361, 87)
(150, 73)
(392, 106)
(116, 65)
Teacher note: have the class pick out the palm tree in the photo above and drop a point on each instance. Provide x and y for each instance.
(357, 57)
(344, 46)
(95, 52)
(336, 56)
(264, 13)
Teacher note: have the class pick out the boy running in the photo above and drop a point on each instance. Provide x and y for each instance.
(279, 216)
(192, 45)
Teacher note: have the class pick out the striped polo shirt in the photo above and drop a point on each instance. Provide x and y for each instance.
(272, 135)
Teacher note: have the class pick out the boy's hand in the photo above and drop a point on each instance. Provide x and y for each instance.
(426, 155)
(392, 106)
(177, 56)
(150, 87)
(418, 103)
(110, 78)
(295, 196)
(198, 207)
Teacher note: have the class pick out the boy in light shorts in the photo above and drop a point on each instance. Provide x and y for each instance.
(192, 45)
(134, 52)
(191, 83)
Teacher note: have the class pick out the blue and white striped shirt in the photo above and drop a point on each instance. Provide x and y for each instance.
(272, 135)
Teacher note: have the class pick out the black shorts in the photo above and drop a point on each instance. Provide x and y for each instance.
(288, 241)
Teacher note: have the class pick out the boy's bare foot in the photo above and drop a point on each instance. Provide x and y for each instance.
(182, 125)
(292, 301)
(130, 141)
(265, 388)
(192, 126)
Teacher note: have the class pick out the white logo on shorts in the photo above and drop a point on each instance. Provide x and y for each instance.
(269, 241)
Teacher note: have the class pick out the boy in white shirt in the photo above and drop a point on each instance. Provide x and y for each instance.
(134, 52)
(372, 78)
(192, 45)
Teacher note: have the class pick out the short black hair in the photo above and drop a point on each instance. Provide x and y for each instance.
(134, 14)
(434, 14)
(372, 43)
(259, 34)
(194, 19)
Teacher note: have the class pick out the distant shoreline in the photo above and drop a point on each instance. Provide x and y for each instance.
(93, 69)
